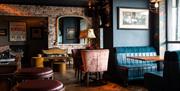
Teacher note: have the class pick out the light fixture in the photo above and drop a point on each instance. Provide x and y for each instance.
(91, 34)
(154, 5)
(91, 4)
(87, 35)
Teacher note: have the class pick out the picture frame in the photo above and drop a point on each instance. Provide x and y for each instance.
(3, 32)
(17, 31)
(70, 33)
(36, 33)
(130, 18)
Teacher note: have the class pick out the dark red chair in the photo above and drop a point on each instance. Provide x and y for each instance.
(39, 85)
(76, 54)
(33, 73)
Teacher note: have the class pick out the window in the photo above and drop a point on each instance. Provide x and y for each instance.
(173, 32)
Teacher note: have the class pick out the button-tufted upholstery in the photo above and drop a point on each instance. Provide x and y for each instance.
(129, 69)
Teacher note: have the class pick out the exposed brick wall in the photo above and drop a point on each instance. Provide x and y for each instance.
(52, 12)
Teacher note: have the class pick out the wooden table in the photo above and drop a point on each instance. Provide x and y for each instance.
(157, 59)
(147, 58)
(58, 58)
(60, 61)
(39, 60)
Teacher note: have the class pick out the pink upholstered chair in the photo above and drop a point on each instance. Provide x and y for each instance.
(94, 61)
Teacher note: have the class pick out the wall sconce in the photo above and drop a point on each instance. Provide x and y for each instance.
(154, 6)
(91, 4)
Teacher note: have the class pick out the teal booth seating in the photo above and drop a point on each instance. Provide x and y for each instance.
(130, 69)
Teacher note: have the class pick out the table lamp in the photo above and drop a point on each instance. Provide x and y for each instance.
(87, 35)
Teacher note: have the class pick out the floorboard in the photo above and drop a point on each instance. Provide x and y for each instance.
(72, 84)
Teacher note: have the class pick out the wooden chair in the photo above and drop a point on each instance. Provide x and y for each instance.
(56, 55)
(77, 60)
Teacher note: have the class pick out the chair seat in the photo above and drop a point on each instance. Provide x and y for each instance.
(40, 85)
(155, 73)
(34, 73)
(139, 65)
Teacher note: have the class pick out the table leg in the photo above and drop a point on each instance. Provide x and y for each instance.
(160, 65)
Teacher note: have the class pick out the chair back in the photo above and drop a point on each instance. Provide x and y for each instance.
(55, 52)
(171, 72)
(95, 60)
(76, 54)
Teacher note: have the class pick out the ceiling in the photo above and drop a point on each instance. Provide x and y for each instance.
(76, 3)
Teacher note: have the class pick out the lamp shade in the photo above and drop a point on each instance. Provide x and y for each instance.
(153, 1)
(87, 34)
(91, 33)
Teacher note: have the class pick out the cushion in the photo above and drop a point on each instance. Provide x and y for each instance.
(34, 71)
(40, 85)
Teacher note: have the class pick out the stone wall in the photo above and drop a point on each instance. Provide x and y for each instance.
(52, 12)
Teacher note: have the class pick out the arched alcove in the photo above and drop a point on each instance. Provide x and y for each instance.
(69, 27)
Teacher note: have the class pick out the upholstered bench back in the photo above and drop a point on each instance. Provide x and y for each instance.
(123, 52)
(171, 72)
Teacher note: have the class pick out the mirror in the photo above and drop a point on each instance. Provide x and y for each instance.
(69, 27)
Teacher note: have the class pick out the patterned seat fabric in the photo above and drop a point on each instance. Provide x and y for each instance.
(129, 69)
(95, 61)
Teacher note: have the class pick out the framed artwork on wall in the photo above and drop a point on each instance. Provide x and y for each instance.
(71, 33)
(36, 32)
(130, 18)
(17, 31)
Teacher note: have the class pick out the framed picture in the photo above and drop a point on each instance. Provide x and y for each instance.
(36, 32)
(3, 32)
(129, 18)
(71, 33)
(17, 31)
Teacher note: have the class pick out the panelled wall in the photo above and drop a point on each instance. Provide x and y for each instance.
(129, 37)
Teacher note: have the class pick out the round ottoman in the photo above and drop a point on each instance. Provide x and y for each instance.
(39, 85)
(38, 61)
(34, 73)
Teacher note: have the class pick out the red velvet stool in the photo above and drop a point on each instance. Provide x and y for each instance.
(39, 85)
(33, 73)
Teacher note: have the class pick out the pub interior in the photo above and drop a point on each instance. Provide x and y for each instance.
(89, 45)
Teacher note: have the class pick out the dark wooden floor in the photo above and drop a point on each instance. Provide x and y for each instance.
(71, 84)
